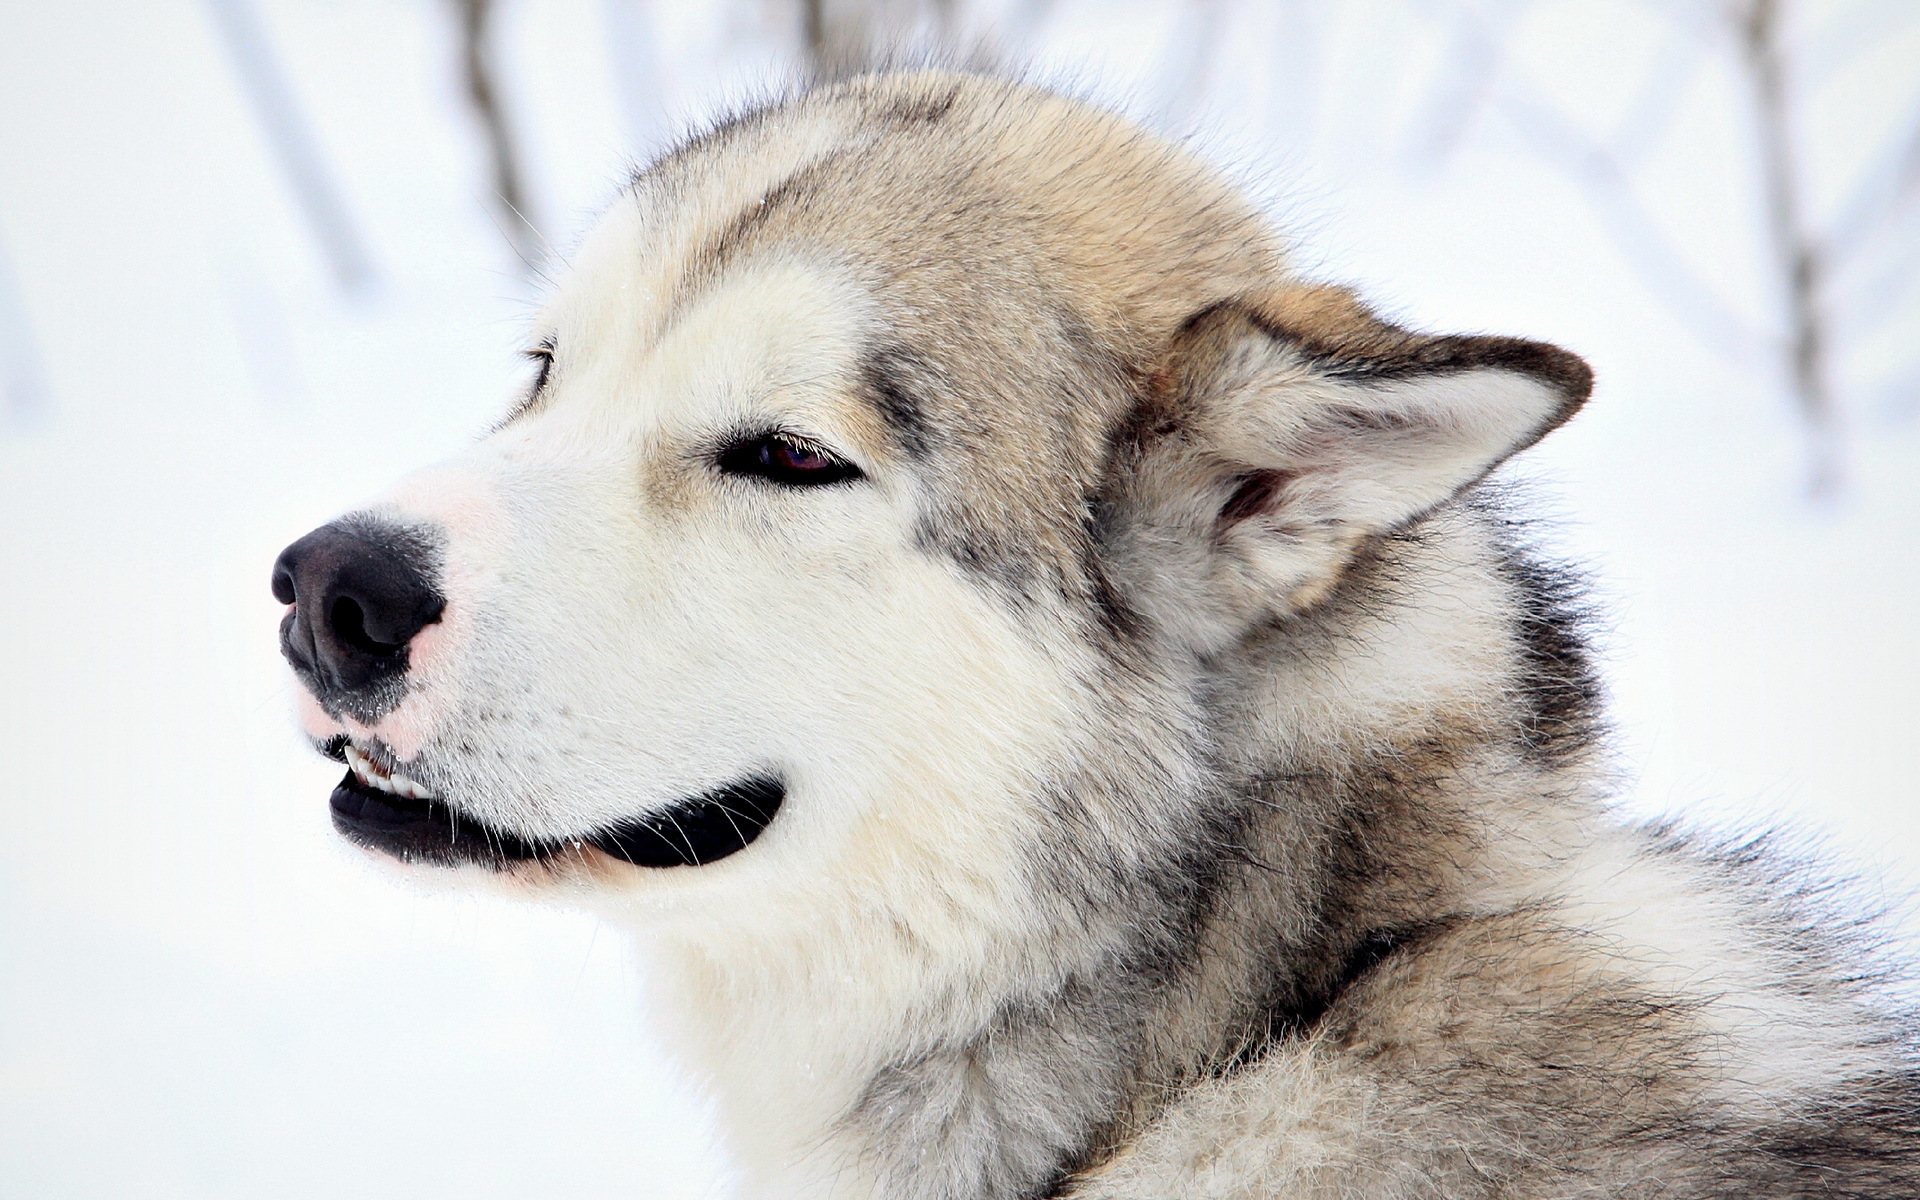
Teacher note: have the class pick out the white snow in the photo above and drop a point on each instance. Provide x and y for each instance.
(202, 994)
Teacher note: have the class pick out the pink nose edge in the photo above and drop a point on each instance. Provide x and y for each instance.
(460, 501)
(405, 731)
(314, 719)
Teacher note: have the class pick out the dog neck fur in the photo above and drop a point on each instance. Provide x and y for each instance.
(868, 1058)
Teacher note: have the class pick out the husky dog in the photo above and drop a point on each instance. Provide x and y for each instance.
(1061, 706)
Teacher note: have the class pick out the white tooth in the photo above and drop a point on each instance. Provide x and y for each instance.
(374, 775)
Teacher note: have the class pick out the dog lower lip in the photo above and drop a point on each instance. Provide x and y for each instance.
(698, 830)
(420, 830)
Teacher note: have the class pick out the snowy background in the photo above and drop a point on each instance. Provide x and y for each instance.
(202, 994)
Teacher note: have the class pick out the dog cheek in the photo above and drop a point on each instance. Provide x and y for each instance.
(405, 731)
(314, 720)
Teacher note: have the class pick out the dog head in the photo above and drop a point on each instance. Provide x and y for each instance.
(898, 456)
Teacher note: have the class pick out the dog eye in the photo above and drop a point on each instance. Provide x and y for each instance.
(786, 460)
(542, 356)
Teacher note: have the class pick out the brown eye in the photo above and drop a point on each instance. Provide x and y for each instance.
(783, 456)
(785, 460)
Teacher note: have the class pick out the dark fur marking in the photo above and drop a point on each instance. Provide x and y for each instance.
(889, 374)
(1377, 350)
(1346, 341)
(1863, 1146)
(1557, 681)
(921, 110)
(981, 555)
(1252, 495)
(791, 190)
(1298, 1012)
(724, 127)
(1117, 618)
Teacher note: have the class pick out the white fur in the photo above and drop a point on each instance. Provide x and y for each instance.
(616, 642)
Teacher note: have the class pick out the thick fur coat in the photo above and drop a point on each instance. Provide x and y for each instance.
(1116, 742)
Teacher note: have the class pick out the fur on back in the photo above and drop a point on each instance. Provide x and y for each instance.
(1196, 777)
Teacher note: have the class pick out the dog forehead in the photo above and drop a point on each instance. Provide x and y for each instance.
(776, 342)
(1003, 220)
(982, 272)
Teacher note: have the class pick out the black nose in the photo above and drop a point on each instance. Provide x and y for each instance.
(360, 591)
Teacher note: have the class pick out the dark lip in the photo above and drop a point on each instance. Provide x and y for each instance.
(693, 832)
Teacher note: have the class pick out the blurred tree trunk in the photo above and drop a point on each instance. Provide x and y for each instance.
(1801, 258)
(507, 173)
(23, 385)
(293, 144)
(845, 37)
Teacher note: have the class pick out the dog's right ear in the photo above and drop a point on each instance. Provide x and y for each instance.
(1283, 431)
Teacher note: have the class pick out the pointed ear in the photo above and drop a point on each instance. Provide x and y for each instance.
(1287, 429)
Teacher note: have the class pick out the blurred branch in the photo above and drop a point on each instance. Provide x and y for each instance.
(1634, 231)
(636, 65)
(1653, 109)
(24, 381)
(845, 37)
(1887, 190)
(1465, 83)
(293, 144)
(1185, 80)
(814, 36)
(1802, 261)
(483, 94)
(1600, 168)
(1028, 19)
(1482, 75)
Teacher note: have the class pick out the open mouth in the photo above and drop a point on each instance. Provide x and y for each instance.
(378, 807)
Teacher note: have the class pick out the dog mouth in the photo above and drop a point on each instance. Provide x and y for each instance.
(379, 807)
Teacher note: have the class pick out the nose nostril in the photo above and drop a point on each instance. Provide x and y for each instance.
(349, 623)
(359, 590)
